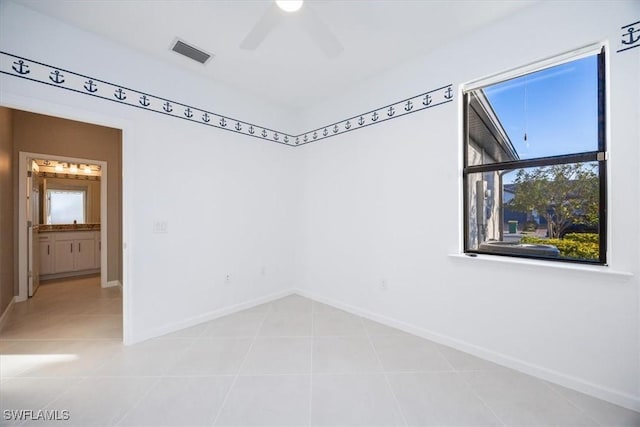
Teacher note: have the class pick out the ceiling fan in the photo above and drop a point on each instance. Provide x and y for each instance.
(318, 31)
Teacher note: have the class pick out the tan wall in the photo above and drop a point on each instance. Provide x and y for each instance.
(37, 133)
(93, 195)
(7, 259)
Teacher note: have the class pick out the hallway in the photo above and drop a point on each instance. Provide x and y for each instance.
(72, 308)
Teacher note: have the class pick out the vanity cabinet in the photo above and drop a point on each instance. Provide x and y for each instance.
(63, 260)
(75, 251)
(69, 251)
(46, 253)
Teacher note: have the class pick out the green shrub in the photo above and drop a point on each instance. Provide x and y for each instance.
(583, 237)
(575, 245)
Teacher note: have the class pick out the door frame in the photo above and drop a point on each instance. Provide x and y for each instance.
(83, 114)
(23, 159)
(33, 279)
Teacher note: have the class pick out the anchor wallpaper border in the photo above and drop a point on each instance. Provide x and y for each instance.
(629, 39)
(39, 72)
(416, 103)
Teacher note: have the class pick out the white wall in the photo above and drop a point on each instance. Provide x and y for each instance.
(335, 218)
(383, 203)
(226, 198)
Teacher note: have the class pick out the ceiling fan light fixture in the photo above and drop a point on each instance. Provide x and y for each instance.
(289, 5)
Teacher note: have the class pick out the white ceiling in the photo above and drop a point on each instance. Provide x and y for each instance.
(287, 68)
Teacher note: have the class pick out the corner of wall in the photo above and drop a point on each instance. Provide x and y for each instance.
(7, 215)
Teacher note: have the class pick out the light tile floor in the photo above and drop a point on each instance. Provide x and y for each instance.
(291, 362)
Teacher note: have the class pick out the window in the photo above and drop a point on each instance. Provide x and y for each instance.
(535, 163)
(66, 206)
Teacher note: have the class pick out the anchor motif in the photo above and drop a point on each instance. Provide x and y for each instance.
(206, 118)
(325, 132)
(374, 116)
(90, 86)
(286, 139)
(449, 93)
(629, 34)
(167, 107)
(305, 139)
(408, 106)
(391, 112)
(335, 129)
(238, 126)
(315, 135)
(22, 67)
(251, 130)
(187, 113)
(361, 121)
(264, 133)
(427, 99)
(223, 122)
(56, 77)
(347, 125)
(144, 101)
(120, 94)
(276, 136)
(297, 140)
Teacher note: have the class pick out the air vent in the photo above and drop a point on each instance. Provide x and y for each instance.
(190, 52)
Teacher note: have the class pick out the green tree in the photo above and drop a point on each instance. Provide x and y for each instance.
(562, 194)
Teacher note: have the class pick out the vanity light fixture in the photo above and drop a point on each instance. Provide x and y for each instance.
(73, 168)
(59, 167)
(289, 5)
(87, 169)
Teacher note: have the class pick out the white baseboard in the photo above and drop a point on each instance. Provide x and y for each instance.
(196, 320)
(5, 313)
(64, 275)
(595, 390)
(113, 283)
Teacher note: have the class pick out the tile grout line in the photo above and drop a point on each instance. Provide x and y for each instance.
(138, 401)
(556, 392)
(55, 399)
(81, 379)
(384, 372)
(346, 374)
(244, 359)
(477, 395)
(231, 337)
(153, 384)
(469, 387)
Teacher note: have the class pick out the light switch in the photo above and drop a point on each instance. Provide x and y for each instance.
(160, 227)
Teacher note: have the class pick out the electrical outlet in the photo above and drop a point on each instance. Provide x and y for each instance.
(227, 279)
(263, 271)
(384, 285)
(160, 227)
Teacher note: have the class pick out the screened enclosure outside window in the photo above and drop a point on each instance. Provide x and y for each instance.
(535, 164)
(66, 206)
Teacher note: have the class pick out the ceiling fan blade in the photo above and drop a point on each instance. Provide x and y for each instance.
(321, 34)
(263, 27)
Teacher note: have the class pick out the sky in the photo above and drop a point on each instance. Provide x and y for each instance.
(557, 108)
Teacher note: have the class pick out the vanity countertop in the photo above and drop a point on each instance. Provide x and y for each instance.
(46, 228)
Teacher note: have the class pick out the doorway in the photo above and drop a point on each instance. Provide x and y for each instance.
(34, 219)
(65, 139)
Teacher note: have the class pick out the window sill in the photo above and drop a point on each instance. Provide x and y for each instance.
(482, 258)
